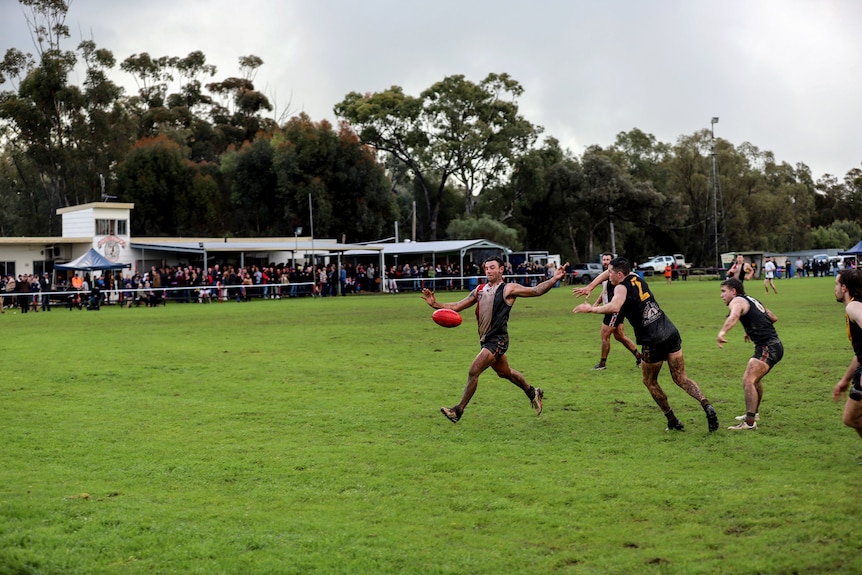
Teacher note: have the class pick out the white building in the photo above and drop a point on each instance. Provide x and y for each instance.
(106, 227)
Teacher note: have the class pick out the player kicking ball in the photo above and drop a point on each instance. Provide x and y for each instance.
(494, 301)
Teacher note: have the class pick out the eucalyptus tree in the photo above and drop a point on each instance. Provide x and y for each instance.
(63, 139)
(540, 200)
(155, 177)
(610, 196)
(251, 180)
(351, 197)
(238, 111)
(455, 129)
(477, 129)
(690, 182)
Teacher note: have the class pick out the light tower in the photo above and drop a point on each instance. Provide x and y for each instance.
(715, 196)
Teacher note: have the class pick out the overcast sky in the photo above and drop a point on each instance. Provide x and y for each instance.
(784, 75)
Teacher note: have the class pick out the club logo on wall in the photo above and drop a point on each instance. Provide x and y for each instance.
(111, 246)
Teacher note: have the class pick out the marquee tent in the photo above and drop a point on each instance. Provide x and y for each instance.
(854, 251)
(91, 261)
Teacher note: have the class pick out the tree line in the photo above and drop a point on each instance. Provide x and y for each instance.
(202, 156)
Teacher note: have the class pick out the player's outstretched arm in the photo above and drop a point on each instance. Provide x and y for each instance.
(587, 289)
(612, 306)
(514, 290)
(431, 300)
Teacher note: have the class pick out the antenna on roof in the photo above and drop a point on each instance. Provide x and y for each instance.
(105, 197)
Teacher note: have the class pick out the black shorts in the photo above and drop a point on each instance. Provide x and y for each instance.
(612, 319)
(856, 388)
(658, 352)
(770, 354)
(496, 345)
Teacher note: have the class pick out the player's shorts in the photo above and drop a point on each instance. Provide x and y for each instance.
(612, 319)
(856, 388)
(658, 352)
(770, 354)
(497, 345)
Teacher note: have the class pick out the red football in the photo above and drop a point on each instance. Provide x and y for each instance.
(446, 317)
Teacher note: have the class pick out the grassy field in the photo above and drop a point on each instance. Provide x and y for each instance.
(304, 436)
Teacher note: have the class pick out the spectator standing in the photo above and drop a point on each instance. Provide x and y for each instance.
(23, 287)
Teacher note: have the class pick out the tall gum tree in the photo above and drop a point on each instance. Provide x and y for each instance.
(63, 139)
(455, 129)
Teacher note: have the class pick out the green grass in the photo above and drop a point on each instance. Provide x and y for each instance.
(303, 436)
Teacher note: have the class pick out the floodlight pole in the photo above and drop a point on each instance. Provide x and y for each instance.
(715, 195)
(311, 217)
(296, 232)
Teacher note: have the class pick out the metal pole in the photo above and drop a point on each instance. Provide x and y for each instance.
(715, 196)
(311, 217)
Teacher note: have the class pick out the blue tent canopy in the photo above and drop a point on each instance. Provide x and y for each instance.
(91, 261)
(854, 251)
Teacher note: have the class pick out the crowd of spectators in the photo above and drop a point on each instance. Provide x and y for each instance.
(193, 284)
(811, 267)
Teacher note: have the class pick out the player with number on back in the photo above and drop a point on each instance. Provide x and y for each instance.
(659, 339)
(757, 321)
(493, 301)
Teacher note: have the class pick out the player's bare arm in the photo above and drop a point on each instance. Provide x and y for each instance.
(844, 383)
(588, 289)
(738, 307)
(514, 290)
(854, 314)
(431, 300)
(612, 306)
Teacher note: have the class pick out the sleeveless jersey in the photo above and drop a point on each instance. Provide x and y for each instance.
(607, 295)
(650, 324)
(757, 323)
(854, 334)
(737, 271)
(492, 311)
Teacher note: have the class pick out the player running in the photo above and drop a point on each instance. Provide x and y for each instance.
(757, 322)
(612, 324)
(494, 301)
(659, 339)
(848, 291)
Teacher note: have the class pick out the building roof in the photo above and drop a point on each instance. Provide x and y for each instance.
(91, 205)
(34, 240)
(246, 245)
(435, 247)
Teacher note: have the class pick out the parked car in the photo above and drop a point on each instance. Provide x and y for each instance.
(658, 263)
(584, 273)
